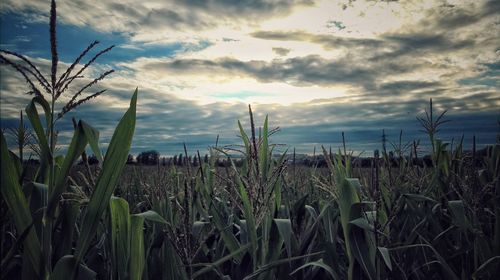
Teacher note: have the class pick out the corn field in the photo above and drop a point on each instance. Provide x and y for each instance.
(255, 221)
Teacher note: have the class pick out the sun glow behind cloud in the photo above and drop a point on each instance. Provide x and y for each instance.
(317, 63)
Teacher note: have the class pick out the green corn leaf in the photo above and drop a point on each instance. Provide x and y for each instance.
(330, 256)
(34, 118)
(45, 156)
(319, 264)
(277, 263)
(384, 252)
(75, 149)
(172, 264)
(354, 182)
(198, 227)
(264, 151)
(244, 136)
(152, 216)
(285, 229)
(347, 197)
(243, 231)
(349, 207)
(92, 135)
(458, 213)
(212, 266)
(330, 223)
(487, 269)
(137, 253)
(120, 239)
(450, 274)
(18, 206)
(46, 109)
(419, 197)
(265, 229)
(274, 246)
(13, 249)
(359, 246)
(69, 215)
(114, 162)
(248, 214)
(16, 161)
(65, 267)
(230, 241)
(362, 223)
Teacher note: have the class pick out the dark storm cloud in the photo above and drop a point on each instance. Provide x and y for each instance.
(408, 85)
(398, 44)
(281, 51)
(244, 7)
(297, 71)
(326, 41)
(149, 16)
(415, 44)
(449, 17)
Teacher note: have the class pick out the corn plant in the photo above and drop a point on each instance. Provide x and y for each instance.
(47, 207)
(34, 213)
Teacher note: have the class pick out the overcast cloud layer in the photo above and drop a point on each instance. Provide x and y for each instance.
(316, 67)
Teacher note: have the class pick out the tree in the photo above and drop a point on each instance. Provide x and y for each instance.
(150, 157)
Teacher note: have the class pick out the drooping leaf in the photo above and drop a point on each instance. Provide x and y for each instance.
(211, 266)
(92, 135)
(319, 264)
(152, 216)
(285, 229)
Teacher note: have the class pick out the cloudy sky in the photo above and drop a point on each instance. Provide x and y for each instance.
(317, 68)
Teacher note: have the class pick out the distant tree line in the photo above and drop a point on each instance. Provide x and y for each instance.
(153, 157)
